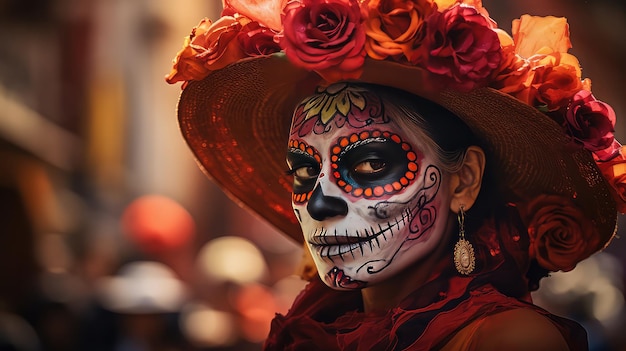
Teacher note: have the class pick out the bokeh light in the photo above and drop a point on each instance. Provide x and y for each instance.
(232, 259)
(141, 288)
(208, 327)
(157, 223)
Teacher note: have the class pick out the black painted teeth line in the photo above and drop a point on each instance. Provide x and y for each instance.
(382, 232)
(390, 228)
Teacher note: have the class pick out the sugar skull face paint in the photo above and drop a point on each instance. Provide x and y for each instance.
(369, 197)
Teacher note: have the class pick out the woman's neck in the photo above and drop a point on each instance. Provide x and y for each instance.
(384, 296)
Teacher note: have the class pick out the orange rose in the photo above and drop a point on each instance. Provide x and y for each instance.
(512, 76)
(555, 80)
(614, 171)
(185, 66)
(395, 28)
(209, 47)
(559, 232)
(537, 68)
(266, 12)
(443, 5)
(533, 34)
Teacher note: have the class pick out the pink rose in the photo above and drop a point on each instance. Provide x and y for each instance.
(560, 234)
(395, 28)
(462, 47)
(324, 36)
(609, 153)
(256, 40)
(614, 171)
(590, 122)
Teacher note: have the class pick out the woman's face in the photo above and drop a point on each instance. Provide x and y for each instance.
(370, 199)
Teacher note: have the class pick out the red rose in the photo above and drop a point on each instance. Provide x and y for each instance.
(256, 40)
(560, 234)
(590, 122)
(462, 47)
(325, 36)
(614, 171)
(395, 28)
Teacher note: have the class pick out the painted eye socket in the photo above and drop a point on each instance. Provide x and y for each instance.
(304, 178)
(305, 173)
(305, 166)
(373, 163)
(370, 166)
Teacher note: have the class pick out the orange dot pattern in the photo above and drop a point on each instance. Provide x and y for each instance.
(300, 198)
(412, 167)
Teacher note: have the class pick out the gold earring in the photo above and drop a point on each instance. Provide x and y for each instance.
(464, 259)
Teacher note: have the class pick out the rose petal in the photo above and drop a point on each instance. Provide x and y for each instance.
(266, 12)
(534, 33)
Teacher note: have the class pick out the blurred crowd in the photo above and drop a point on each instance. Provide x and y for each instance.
(111, 238)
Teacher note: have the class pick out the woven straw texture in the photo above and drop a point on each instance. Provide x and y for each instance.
(236, 121)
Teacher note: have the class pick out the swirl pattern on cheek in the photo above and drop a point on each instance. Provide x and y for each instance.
(421, 211)
(426, 213)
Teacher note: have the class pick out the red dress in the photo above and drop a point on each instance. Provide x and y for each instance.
(324, 319)
(430, 317)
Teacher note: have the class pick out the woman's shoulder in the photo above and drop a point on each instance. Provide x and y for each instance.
(517, 329)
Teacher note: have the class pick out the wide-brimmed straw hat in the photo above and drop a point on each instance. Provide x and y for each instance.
(235, 116)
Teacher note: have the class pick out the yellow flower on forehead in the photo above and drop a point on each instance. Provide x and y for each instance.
(337, 99)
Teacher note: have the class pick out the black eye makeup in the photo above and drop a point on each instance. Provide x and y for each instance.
(373, 164)
(305, 165)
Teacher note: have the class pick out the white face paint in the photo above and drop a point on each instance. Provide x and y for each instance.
(370, 202)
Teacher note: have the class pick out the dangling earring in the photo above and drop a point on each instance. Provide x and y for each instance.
(464, 259)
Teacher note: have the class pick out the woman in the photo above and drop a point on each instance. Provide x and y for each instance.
(437, 169)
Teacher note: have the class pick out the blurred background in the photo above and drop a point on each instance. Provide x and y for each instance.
(110, 236)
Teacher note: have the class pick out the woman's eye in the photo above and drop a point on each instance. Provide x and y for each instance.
(370, 166)
(305, 173)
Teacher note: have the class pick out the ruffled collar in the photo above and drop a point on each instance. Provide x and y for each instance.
(326, 319)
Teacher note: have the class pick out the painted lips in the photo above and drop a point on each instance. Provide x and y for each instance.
(339, 279)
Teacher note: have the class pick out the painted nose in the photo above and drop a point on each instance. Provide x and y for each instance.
(321, 206)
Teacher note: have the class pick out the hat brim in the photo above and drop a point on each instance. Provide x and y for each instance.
(236, 121)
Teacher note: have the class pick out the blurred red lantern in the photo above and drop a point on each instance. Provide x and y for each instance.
(157, 223)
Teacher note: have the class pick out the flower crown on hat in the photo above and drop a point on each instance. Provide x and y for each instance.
(455, 41)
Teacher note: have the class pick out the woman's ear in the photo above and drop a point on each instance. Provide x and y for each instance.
(465, 183)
